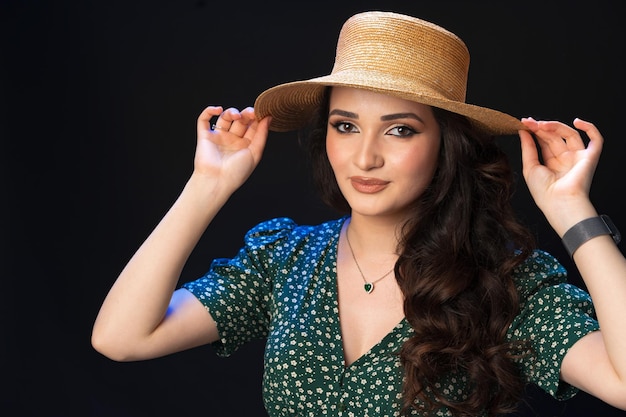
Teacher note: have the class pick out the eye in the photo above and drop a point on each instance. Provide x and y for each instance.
(402, 131)
(344, 127)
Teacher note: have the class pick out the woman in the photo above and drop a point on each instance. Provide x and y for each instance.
(427, 297)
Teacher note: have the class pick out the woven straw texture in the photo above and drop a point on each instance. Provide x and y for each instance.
(394, 54)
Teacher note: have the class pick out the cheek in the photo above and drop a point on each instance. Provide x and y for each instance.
(417, 163)
(419, 171)
(333, 154)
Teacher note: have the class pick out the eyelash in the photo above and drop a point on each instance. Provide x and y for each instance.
(344, 127)
(339, 125)
(409, 131)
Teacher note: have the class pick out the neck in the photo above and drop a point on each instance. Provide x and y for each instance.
(373, 237)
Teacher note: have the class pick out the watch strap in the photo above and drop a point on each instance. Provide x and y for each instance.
(587, 229)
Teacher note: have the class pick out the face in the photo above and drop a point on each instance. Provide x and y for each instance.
(383, 150)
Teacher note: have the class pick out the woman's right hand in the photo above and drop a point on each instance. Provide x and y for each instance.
(230, 149)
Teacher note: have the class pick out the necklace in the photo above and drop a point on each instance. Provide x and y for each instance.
(368, 286)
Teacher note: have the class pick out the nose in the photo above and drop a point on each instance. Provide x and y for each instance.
(368, 154)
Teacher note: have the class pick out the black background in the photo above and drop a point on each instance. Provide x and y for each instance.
(99, 104)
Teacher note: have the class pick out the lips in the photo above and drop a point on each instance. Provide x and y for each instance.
(368, 185)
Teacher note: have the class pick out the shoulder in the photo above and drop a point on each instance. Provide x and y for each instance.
(542, 275)
(284, 230)
(539, 270)
(540, 266)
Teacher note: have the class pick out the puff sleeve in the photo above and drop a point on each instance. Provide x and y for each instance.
(554, 315)
(237, 291)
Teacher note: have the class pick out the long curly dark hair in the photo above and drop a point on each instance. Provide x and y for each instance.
(455, 266)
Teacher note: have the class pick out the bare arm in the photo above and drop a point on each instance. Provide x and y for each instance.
(142, 317)
(560, 187)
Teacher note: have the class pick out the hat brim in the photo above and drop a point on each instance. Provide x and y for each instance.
(292, 104)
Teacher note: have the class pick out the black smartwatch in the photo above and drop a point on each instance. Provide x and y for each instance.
(588, 229)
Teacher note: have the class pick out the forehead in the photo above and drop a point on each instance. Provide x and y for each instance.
(364, 101)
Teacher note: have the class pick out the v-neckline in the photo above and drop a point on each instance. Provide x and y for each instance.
(375, 347)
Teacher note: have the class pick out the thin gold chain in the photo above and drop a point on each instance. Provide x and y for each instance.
(368, 286)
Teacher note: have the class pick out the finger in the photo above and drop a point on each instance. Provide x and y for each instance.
(570, 135)
(240, 126)
(226, 118)
(596, 141)
(560, 136)
(547, 144)
(204, 119)
(258, 131)
(237, 136)
(530, 156)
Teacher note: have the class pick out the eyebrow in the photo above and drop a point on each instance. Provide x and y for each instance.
(386, 117)
(401, 116)
(344, 113)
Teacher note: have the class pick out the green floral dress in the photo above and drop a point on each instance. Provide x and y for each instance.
(281, 286)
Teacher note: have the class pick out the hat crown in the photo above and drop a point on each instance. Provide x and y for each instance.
(424, 57)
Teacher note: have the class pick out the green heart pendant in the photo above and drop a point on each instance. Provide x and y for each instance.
(369, 287)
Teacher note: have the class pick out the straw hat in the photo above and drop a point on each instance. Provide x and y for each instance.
(394, 54)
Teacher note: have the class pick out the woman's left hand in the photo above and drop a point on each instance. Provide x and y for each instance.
(560, 182)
